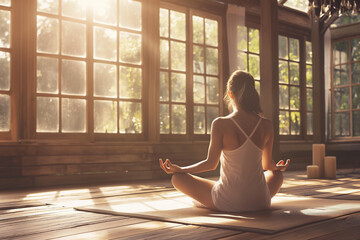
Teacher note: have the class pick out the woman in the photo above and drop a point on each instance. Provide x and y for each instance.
(243, 142)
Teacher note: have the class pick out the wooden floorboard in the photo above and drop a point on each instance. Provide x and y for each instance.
(49, 214)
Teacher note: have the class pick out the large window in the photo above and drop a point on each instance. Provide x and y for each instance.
(89, 66)
(295, 87)
(189, 83)
(5, 66)
(345, 88)
(89, 70)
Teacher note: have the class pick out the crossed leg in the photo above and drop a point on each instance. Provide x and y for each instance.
(195, 187)
(274, 180)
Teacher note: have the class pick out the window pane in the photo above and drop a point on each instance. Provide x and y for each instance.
(47, 75)
(294, 73)
(5, 2)
(178, 87)
(212, 90)
(73, 39)
(341, 75)
(47, 114)
(4, 71)
(242, 61)
(177, 25)
(178, 56)
(284, 123)
(130, 14)
(164, 119)
(105, 11)
(105, 117)
(74, 8)
(178, 119)
(211, 31)
(356, 123)
(105, 43)
(212, 61)
(308, 52)
(295, 123)
(198, 29)
(48, 6)
(47, 35)
(212, 113)
(254, 45)
(341, 52)
(283, 97)
(199, 120)
(294, 98)
(310, 124)
(257, 86)
(130, 47)
(356, 97)
(242, 38)
(355, 49)
(254, 65)
(342, 100)
(130, 82)
(4, 112)
(73, 80)
(283, 72)
(199, 89)
(283, 47)
(198, 59)
(5, 20)
(164, 86)
(294, 49)
(355, 72)
(73, 115)
(105, 80)
(164, 22)
(164, 54)
(342, 124)
(309, 81)
(309, 99)
(130, 117)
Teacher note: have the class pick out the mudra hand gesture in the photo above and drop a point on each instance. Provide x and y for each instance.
(168, 167)
(281, 166)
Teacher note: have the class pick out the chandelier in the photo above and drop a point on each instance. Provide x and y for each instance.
(334, 7)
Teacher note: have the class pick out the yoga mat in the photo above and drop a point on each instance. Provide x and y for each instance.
(286, 212)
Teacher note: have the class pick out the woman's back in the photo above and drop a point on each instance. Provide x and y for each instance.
(242, 185)
(233, 137)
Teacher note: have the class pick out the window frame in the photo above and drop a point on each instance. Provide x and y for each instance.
(13, 50)
(349, 62)
(302, 88)
(190, 12)
(89, 134)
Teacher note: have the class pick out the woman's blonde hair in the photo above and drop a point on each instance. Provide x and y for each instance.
(242, 86)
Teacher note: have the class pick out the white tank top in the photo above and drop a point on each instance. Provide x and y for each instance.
(242, 185)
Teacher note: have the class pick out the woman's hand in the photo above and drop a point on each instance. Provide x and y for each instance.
(281, 166)
(168, 167)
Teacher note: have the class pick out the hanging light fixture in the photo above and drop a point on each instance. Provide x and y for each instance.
(331, 7)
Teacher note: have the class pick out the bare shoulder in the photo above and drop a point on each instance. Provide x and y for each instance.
(267, 124)
(220, 123)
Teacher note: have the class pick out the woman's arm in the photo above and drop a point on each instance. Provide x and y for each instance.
(267, 162)
(212, 160)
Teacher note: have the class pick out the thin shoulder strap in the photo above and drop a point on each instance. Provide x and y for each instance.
(240, 128)
(253, 131)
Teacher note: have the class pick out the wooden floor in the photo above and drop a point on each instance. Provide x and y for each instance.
(49, 213)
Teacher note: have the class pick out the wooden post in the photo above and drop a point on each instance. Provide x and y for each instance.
(151, 71)
(269, 67)
(317, 40)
